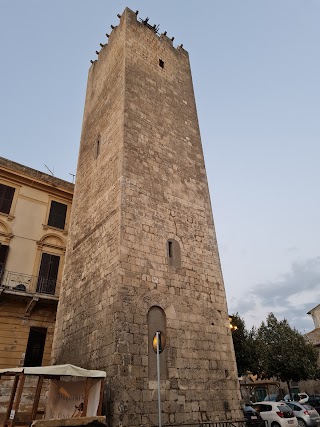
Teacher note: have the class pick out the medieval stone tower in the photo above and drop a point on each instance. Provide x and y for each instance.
(142, 253)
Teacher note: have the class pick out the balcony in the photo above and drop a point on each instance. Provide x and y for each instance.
(24, 283)
(32, 290)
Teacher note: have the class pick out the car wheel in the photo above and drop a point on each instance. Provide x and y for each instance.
(301, 423)
(274, 424)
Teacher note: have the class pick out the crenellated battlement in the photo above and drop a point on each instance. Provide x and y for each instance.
(129, 16)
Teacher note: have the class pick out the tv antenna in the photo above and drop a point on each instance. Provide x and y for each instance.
(73, 175)
(50, 170)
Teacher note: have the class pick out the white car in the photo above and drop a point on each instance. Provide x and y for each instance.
(306, 415)
(276, 414)
(297, 397)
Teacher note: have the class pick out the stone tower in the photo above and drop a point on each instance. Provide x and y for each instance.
(142, 254)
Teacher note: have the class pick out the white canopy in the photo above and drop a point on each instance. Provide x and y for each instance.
(58, 370)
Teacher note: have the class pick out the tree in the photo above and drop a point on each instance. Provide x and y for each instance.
(284, 352)
(274, 350)
(239, 343)
(245, 346)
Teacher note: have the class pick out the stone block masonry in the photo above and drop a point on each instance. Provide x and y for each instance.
(142, 254)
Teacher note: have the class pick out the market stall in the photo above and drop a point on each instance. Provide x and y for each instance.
(73, 392)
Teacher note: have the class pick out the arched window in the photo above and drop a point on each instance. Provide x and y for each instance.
(173, 253)
(156, 322)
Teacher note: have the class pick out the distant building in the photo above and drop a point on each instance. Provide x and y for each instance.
(314, 335)
(34, 221)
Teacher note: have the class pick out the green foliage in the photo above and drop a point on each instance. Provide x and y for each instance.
(239, 343)
(246, 349)
(286, 354)
(274, 350)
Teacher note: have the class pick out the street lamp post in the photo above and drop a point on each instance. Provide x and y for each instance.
(158, 346)
(158, 375)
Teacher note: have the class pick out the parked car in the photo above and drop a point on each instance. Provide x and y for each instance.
(253, 418)
(306, 414)
(314, 402)
(297, 397)
(277, 414)
(273, 397)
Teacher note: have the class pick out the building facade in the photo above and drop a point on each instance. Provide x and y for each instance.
(34, 222)
(314, 335)
(313, 386)
(142, 254)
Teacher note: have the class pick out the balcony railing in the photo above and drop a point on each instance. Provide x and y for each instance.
(20, 282)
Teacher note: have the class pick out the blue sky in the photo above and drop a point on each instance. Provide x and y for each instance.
(256, 69)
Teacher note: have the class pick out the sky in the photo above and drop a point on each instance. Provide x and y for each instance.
(255, 67)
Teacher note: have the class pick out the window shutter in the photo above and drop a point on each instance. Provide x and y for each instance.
(54, 267)
(3, 257)
(6, 197)
(57, 215)
(45, 266)
(48, 273)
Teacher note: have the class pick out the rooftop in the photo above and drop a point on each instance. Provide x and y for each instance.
(36, 175)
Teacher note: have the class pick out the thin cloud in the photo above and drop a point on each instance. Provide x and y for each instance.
(292, 249)
(291, 296)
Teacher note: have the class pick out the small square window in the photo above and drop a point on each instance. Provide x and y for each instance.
(161, 63)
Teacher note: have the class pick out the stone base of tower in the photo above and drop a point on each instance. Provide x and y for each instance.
(178, 406)
(200, 383)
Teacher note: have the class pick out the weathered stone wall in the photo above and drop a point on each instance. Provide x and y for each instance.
(87, 314)
(147, 185)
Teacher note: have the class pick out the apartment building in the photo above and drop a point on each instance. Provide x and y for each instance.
(34, 223)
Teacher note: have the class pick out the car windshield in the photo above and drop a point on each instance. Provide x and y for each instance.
(270, 397)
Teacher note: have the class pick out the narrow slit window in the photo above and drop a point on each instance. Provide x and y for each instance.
(173, 253)
(161, 63)
(97, 148)
(170, 249)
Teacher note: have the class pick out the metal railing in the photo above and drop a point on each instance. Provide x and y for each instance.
(21, 282)
(237, 423)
